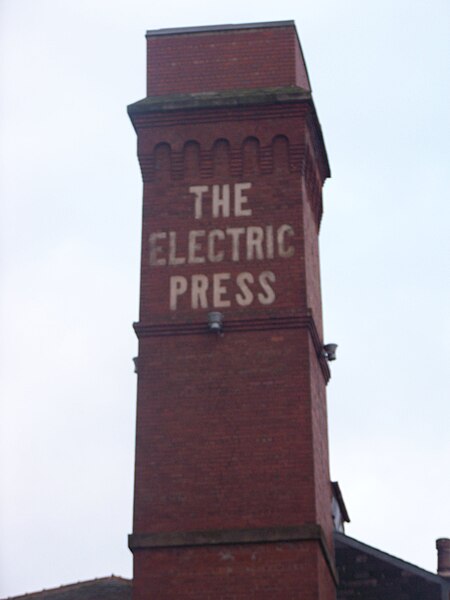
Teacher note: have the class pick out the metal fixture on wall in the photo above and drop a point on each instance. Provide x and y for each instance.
(215, 322)
(329, 351)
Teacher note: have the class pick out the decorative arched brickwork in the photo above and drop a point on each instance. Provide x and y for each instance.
(221, 158)
(162, 162)
(280, 155)
(191, 159)
(313, 185)
(251, 156)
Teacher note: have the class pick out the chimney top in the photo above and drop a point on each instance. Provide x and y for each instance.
(221, 58)
(443, 551)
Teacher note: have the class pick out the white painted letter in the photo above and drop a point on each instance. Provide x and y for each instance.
(213, 255)
(173, 258)
(235, 232)
(281, 233)
(193, 246)
(198, 190)
(219, 290)
(155, 249)
(269, 295)
(245, 295)
(221, 203)
(239, 200)
(178, 286)
(255, 243)
(269, 241)
(199, 287)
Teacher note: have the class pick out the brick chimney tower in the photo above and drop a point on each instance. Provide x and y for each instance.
(232, 486)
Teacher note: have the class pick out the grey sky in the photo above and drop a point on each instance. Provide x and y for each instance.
(70, 227)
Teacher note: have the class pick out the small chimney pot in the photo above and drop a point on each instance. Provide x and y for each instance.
(443, 551)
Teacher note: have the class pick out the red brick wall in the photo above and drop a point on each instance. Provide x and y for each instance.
(223, 60)
(312, 183)
(320, 447)
(224, 432)
(284, 571)
(269, 154)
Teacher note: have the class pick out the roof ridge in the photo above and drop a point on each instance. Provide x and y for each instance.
(383, 555)
(68, 586)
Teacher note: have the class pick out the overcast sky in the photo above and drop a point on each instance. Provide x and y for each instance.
(70, 232)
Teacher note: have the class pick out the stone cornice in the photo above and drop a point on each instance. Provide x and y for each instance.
(297, 533)
(262, 102)
(230, 98)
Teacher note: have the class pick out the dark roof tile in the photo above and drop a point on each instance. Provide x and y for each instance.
(106, 588)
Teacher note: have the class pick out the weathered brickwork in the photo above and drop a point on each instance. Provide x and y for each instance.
(268, 151)
(225, 59)
(231, 429)
(252, 572)
(224, 432)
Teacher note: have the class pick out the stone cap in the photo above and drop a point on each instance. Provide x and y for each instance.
(208, 28)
